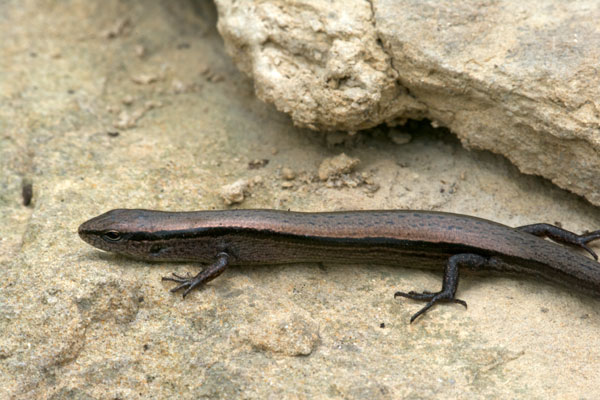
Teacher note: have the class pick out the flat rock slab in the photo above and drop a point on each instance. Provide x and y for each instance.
(521, 79)
(135, 104)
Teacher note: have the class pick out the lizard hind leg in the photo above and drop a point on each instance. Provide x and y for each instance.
(563, 236)
(449, 285)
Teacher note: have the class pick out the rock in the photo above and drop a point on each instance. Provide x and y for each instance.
(335, 166)
(284, 333)
(517, 79)
(237, 191)
(288, 174)
(234, 192)
(76, 322)
(322, 63)
(399, 137)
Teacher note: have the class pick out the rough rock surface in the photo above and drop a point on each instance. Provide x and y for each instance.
(111, 104)
(517, 78)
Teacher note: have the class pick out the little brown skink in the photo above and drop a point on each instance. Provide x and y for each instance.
(406, 238)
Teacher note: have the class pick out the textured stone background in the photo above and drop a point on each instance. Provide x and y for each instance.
(79, 323)
(517, 78)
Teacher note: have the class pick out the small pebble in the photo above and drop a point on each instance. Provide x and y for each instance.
(287, 174)
(335, 166)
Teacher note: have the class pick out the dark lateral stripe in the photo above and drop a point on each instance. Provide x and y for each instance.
(413, 245)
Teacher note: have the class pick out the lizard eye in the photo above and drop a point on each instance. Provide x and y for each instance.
(112, 236)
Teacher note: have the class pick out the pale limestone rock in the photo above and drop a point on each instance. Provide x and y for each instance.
(519, 79)
(320, 62)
